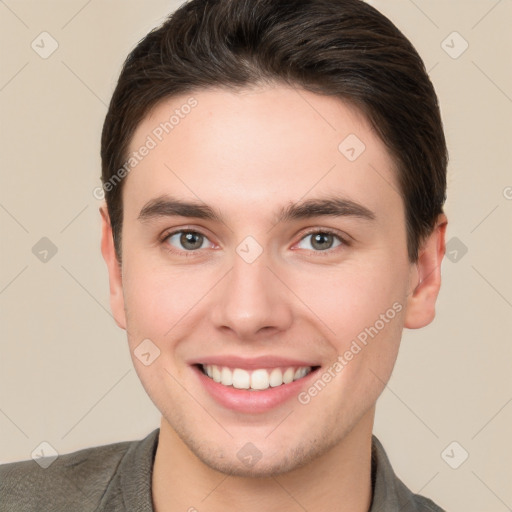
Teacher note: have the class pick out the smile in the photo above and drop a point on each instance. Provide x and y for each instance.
(258, 379)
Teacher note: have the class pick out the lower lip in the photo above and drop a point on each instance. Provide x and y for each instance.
(246, 401)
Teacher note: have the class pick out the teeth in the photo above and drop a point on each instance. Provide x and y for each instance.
(257, 379)
(260, 379)
(216, 373)
(226, 376)
(241, 379)
(288, 375)
(299, 373)
(276, 377)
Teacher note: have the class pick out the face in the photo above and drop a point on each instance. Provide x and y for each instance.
(263, 246)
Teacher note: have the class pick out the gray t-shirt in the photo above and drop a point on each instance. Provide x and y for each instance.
(117, 477)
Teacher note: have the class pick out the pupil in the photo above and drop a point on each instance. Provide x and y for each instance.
(191, 240)
(322, 241)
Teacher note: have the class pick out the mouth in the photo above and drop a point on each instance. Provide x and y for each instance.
(253, 385)
(259, 379)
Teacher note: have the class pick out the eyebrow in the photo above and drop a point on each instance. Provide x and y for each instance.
(167, 206)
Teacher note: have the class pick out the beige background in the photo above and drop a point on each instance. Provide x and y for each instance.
(65, 372)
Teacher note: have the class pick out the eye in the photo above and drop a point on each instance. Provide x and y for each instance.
(187, 240)
(320, 241)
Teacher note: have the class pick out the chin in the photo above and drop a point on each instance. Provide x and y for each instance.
(246, 460)
(260, 469)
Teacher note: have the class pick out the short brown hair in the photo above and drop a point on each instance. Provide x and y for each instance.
(343, 48)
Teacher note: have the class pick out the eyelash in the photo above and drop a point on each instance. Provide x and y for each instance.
(326, 231)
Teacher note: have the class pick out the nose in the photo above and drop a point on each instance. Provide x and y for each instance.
(251, 302)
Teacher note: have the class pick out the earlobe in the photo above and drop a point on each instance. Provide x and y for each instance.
(114, 269)
(426, 278)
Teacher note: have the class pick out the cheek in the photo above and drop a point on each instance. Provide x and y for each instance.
(158, 297)
(362, 305)
(352, 296)
(368, 323)
(159, 300)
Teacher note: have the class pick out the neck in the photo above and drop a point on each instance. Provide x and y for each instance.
(340, 479)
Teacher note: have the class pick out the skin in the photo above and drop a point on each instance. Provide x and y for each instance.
(248, 154)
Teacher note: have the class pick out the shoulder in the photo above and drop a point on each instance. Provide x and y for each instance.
(75, 479)
(390, 493)
(414, 502)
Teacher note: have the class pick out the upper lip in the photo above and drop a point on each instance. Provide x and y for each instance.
(253, 363)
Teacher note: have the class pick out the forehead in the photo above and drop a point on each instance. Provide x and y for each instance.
(261, 148)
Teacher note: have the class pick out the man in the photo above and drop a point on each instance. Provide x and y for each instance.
(274, 175)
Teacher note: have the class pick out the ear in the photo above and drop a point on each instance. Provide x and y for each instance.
(426, 278)
(114, 269)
